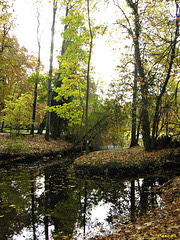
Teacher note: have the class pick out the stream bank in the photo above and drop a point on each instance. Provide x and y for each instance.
(127, 162)
(159, 223)
(51, 195)
(28, 149)
(123, 162)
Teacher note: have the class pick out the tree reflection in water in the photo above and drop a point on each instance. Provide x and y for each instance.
(53, 202)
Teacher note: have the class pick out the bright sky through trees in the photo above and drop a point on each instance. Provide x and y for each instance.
(26, 27)
(136, 50)
(104, 58)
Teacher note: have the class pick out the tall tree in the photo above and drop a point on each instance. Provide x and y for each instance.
(143, 26)
(170, 59)
(74, 66)
(37, 72)
(134, 133)
(141, 71)
(88, 76)
(14, 60)
(72, 63)
(56, 121)
(47, 135)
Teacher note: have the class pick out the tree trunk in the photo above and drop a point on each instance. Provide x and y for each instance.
(47, 135)
(144, 86)
(134, 110)
(56, 121)
(88, 73)
(159, 98)
(42, 126)
(34, 108)
(2, 126)
(37, 70)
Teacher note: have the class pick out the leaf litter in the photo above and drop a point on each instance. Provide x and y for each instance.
(162, 223)
(135, 156)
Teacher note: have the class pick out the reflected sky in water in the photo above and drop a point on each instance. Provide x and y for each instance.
(53, 202)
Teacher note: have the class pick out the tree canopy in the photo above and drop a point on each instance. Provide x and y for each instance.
(142, 101)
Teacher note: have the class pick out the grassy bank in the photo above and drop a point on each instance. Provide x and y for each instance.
(27, 147)
(30, 144)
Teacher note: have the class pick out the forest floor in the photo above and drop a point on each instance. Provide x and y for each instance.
(127, 161)
(29, 148)
(30, 144)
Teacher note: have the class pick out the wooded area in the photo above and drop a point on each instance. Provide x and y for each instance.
(142, 104)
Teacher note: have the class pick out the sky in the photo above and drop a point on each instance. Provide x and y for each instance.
(104, 59)
(26, 28)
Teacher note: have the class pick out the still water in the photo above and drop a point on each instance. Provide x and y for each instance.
(51, 202)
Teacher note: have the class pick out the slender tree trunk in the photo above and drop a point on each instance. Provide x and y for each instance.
(42, 126)
(167, 122)
(5, 31)
(88, 76)
(37, 76)
(134, 110)
(2, 126)
(34, 108)
(56, 121)
(159, 98)
(47, 135)
(138, 130)
(144, 86)
(80, 132)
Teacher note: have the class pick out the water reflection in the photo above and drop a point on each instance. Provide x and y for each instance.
(53, 202)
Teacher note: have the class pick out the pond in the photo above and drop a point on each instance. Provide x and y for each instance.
(51, 202)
